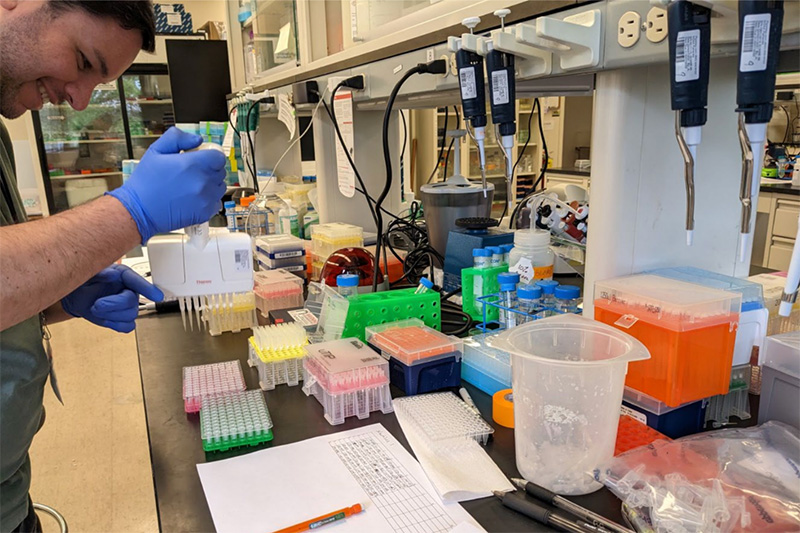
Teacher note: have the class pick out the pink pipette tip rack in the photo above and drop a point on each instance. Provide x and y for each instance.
(210, 380)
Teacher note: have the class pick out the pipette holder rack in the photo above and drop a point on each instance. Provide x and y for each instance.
(214, 379)
(235, 420)
(489, 284)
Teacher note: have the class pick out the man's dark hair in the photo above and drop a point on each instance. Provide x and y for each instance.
(129, 14)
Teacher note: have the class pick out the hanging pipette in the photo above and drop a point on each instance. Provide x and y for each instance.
(689, 28)
(760, 27)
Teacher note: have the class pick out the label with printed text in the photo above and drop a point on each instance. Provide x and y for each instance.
(241, 259)
(500, 87)
(466, 78)
(755, 43)
(687, 56)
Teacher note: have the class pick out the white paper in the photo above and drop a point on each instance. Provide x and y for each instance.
(459, 473)
(283, 39)
(343, 106)
(174, 19)
(286, 114)
(285, 485)
(687, 56)
(755, 43)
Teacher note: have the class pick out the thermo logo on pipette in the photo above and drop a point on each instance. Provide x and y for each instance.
(203, 281)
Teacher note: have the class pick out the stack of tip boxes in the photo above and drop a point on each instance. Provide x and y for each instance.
(348, 378)
(421, 359)
(282, 251)
(327, 238)
(230, 416)
(277, 289)
(689, 330)
(277, 352)
(484, 366)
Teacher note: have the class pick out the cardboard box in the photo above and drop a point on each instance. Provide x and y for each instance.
(215, 31)
(172, 19)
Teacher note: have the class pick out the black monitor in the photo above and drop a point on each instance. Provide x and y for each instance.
(200, 79)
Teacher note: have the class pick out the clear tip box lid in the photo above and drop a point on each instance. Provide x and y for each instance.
(676, 303)
(346, 364)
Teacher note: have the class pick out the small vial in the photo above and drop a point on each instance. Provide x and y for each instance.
(481, 258)
(567, 298)
(424, 286)
(230, 214)
(548, 292)
(508, 299)
(506, 250)
(348, 285)
(497, 255)
(529, 301)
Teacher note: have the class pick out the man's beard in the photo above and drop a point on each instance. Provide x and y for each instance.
(15, 51)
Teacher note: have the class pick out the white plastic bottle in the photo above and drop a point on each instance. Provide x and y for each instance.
(289, 222)
(272, 204)
(531, 256)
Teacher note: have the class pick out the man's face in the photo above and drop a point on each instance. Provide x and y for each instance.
(57, 57)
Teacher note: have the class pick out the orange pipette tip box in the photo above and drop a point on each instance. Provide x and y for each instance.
(631, 434)
(411, 341)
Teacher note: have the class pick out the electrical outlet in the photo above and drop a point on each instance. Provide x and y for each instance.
(453, 65)
(447, 62)
(656, 25)
(629, 29)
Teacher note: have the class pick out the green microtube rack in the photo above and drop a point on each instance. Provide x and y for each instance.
(490, 286)
(235, 420)
(391, 306)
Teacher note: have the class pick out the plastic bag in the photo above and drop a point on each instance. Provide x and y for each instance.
(742, 479)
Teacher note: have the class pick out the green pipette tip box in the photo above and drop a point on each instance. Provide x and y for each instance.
(235, 420)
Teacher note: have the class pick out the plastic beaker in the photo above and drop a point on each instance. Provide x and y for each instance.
(568, 374)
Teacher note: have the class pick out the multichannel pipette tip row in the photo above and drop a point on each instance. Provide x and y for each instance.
(444, 417)
(234, 420)
(222, 312)
(274, 340)
(203, 381)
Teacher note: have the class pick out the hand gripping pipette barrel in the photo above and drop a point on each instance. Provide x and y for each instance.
(689, 53)
(199, 233)
(760, 27)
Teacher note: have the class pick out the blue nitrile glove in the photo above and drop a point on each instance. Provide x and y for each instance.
(170, 190)
(111, 298)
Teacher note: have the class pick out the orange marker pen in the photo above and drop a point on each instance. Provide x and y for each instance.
(325, 519)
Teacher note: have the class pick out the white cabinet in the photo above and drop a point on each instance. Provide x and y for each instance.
(776, 229)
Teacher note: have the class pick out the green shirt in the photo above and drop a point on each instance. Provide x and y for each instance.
(23, 373)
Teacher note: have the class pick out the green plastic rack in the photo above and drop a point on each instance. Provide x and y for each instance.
(391, 306)
(490, 286)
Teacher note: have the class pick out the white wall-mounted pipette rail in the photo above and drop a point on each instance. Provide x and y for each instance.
(581, 33)
(180, 269)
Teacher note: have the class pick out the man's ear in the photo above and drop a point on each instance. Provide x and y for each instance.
(8, 5)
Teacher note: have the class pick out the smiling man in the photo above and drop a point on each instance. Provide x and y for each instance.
(57, 268)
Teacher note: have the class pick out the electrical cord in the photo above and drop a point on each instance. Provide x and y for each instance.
(536, 105)
(238, 134)
(434, 67)
(441, 146)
